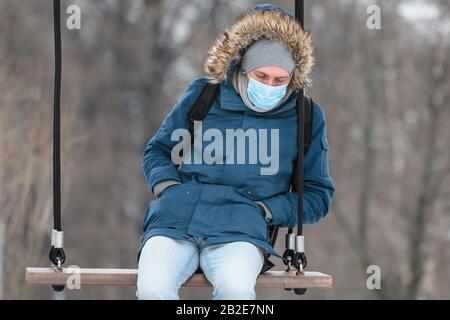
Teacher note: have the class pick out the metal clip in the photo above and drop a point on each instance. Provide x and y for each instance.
(290, 241)
(58, 267)
(300, 244)
(57, 239)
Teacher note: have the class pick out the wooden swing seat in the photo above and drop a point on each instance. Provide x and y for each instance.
(128, 277)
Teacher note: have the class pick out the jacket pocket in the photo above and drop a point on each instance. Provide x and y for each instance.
(175, 205)
(251, 216)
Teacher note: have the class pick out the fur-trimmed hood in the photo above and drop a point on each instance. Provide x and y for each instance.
(271, 22)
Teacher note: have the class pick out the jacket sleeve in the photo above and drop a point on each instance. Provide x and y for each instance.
(318, 183)
(156, 163)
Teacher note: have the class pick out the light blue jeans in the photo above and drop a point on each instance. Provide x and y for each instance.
(165, 264)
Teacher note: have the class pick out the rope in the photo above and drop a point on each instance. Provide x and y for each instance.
(298, 256)
(56, 118)
(300, 16)
(57, 255)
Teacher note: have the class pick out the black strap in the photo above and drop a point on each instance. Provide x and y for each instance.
(202, 106)
(299, 258)
(300, 17)
(308, 118)
(299, 12)
(299, 161)
(309, 106)
(57, 255)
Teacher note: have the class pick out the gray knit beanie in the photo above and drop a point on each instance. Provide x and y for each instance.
(264, 52)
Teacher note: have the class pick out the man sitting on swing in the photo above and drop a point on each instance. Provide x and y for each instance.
(214, 204)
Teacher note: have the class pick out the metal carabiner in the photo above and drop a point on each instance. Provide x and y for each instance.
(58, 266)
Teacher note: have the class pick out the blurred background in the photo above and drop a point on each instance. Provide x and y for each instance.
(385, 94)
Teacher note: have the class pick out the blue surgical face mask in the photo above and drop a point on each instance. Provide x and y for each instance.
(265, 96)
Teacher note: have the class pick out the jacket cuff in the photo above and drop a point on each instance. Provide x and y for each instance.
(162, 185)
(267, 212)
(169, 172)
